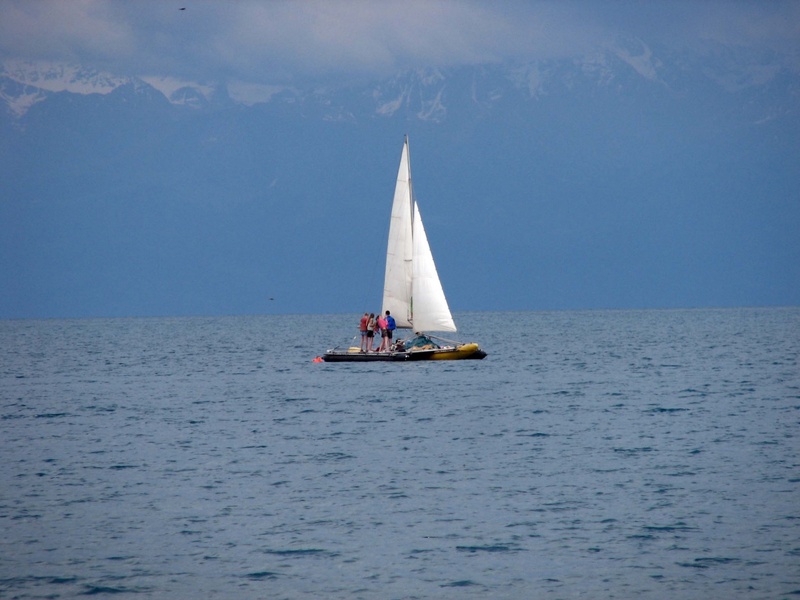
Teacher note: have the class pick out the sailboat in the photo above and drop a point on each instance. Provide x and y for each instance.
(412, 291)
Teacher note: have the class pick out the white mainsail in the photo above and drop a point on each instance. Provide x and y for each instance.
(397, 281)
(412, 291)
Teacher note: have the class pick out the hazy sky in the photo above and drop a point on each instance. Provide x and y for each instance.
(318, 42)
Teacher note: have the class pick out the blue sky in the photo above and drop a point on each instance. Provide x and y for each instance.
(659, 201)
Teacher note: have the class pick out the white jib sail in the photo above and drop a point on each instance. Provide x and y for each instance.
(431, 312)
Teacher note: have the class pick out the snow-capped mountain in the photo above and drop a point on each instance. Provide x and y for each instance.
(25, 83)
(430, 94)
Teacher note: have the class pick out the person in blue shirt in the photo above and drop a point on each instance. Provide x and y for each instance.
(387, 333)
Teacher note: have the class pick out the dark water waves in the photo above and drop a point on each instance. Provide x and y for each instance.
(620, 454)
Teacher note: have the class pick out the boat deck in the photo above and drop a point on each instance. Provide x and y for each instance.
(358, 356)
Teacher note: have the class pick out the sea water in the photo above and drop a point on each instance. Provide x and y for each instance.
(601, 454)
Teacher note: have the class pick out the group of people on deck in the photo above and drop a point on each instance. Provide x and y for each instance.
(369, 326)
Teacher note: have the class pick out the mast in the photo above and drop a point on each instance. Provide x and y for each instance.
(412, 206)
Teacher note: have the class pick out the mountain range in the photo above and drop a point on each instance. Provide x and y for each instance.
(636, 176)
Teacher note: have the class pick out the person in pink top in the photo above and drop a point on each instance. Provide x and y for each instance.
(382, 326)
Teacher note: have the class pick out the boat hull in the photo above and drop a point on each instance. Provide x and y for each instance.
(461, 352)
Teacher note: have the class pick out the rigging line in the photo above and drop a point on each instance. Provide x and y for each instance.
(436, 337)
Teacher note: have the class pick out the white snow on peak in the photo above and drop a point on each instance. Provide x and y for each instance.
(61, 77)
(169, 85)
(641, 63)
(19, 104)
(433, 110)
(388, 108)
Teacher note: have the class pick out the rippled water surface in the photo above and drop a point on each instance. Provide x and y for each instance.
(619, 454)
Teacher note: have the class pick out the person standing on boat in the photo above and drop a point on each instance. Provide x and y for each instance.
(390, 327)
(371, 327)
(362, 327)
(382, 328)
